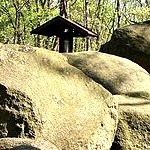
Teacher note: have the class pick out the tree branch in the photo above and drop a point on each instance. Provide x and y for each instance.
(6, 11)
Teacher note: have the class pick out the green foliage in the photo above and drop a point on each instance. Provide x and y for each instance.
(19, 17)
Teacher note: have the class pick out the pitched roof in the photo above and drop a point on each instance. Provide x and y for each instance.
(58, 25)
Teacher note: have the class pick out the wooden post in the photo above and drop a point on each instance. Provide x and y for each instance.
(61, 44)
(66, 42)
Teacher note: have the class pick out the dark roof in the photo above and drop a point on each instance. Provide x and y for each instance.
(58, 25)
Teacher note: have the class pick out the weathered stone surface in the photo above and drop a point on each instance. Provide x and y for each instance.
(17, 117)
(46, 98)
(132, 42)
(118, 75)
(25, 144)
(133, 131)
(130, 85)
(43, 97)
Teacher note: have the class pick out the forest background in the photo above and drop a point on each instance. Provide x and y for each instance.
(19, 17)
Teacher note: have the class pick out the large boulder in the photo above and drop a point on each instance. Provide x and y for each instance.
(130, 85)
(42, 96)
(118, 75)
(133, 132)
(132, 42)
(25, 144)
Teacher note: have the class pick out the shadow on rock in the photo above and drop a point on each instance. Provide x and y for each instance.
(25, 147)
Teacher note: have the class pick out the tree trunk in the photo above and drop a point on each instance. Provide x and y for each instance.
(63, 8)
(43, 2)
(147, 3)
(17, 33)
(37, 40)
(118, 13)
(87, 41)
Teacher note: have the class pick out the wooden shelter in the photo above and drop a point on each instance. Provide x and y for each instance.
(65, 29)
